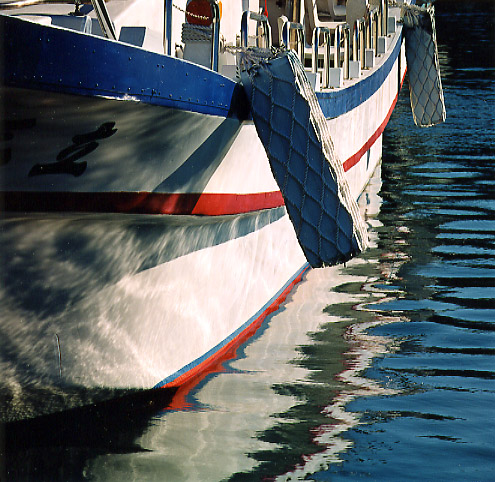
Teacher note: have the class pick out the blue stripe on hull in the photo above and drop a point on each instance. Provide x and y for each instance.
(338, 102)
(54, 59)
(111, 69)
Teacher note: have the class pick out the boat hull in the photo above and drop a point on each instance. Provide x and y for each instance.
(128, 301)
(68, 143)
(142, 237)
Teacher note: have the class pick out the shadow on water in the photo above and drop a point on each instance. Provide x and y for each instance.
(57, 446)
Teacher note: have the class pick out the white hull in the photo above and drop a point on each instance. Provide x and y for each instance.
(147, 325)
(138, 299)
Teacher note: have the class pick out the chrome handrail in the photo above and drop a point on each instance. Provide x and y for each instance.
(383, 13)
(300, 39)
(386, 17)
(260, 20)
(336, 47)
(215, 43)
(167, 28)
(341, 40)
(373, 30)
(368, 31)
(342, 36)
(346, 34)
(326, 32)
(356, 41)
(359, 43)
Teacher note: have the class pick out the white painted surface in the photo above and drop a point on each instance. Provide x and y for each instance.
(119, 325)
(382, 45)
(245, 168)
(336, 77)
(354, 69)
(369, 58)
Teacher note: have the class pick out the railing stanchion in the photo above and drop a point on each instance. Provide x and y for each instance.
(215, 41)
(260, 19)
(300, 40)
(326, 32)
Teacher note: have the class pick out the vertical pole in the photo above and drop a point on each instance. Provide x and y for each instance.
(215, 42)
(104, 19)
(167, 28)
(336, 53)
(347, 53)
(296, 15)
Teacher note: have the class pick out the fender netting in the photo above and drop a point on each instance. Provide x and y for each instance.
(425, 85)
(294, 133)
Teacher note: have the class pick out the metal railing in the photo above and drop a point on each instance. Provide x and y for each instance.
(365, 35)
(326, 32)
(342, 40)
(261, 22)
(341, 50)
(359, 41)
(215, 43)
(346, 34)
(372, 32)
(298, 30)
(383, 12)
(167, 28)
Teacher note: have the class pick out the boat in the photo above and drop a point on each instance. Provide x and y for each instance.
(143, 231)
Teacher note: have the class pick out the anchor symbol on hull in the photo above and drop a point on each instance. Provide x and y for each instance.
(83, 144)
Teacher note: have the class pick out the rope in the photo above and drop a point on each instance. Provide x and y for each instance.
(320, 125)
(194, 15)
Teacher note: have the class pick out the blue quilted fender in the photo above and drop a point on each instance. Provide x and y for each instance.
(281, 115)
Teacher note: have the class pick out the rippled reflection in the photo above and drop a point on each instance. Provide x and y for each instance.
(276, 406)
(279, 406)
(438, 185)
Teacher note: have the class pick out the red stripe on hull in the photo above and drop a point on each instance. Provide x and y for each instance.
(354, 159)
(209, 204)
(219, 204)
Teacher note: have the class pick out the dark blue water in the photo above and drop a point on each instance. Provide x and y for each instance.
(380, 370)
(438, 213)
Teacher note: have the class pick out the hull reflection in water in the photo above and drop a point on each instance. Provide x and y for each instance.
(112, 301)
(252, 408)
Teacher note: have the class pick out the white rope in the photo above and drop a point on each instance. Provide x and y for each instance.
(320, 125)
